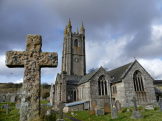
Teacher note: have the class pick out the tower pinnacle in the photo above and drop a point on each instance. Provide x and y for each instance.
(69, 23)
(82, 29)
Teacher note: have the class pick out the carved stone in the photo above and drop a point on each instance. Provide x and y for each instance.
(32, 60)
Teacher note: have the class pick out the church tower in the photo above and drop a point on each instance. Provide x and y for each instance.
(73, 55)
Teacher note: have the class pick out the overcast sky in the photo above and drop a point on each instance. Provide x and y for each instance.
(117, 31)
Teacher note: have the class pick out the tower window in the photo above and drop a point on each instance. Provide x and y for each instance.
(76, 43)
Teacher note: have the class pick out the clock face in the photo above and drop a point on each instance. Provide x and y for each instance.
(76, 59)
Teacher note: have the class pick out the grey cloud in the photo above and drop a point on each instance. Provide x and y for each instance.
(107, 19)
(103, 19)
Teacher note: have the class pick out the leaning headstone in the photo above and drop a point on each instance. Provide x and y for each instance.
(136, 114)
(118, 105)
(160, 104)
(114, 113)
(32, 60)
(99, 112)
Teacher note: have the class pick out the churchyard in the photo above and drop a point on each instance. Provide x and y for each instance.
(12, 114)
(33, 108)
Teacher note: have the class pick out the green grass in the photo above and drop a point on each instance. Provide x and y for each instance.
(44, 101)
(153, 115)
(13, 114)
(147, 116)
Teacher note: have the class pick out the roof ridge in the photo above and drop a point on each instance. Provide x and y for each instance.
(121, 66)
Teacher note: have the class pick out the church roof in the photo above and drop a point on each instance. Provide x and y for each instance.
(72, 79)
(118, 73)
(87, 77)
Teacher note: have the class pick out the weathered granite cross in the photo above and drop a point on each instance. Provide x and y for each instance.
(32, 60)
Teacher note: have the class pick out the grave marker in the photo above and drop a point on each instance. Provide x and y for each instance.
(136, 114)
(32, 60)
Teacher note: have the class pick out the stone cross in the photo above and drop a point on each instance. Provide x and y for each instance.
(61, 107)
(135, 103)
(32, 60)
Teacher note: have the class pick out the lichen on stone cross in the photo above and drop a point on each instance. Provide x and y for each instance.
(32, 60)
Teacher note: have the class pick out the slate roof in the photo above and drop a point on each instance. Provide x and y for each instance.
(72, 79)
(118, 73)
(87, 77)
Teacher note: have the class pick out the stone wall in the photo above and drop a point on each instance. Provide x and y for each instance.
(120, 95)
(84, 91)
(129, 86)
(100, 100)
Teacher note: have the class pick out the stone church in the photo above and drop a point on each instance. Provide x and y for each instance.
(73, 84)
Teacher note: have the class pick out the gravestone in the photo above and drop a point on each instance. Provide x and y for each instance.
(136, 114)
(118, 105)
(6, 107)
(18, 106)
(86, 106)
(13, 98)
(107, 108)
(114, 113)
(32, 60)
(1, 98)
(99, 112)
(61, 107)
(160, 104)
(94, 105)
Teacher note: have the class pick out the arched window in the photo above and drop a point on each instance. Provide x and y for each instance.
(76, 43)
(138, 81)
(102, 85)
(139, 87)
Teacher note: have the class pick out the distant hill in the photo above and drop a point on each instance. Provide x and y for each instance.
(9, 87)
(13, 88)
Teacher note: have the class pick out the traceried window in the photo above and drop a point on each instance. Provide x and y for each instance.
(102, 85)
(139, 87)
(76, 43)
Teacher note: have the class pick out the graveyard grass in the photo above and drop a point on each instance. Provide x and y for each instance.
(149, 115)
